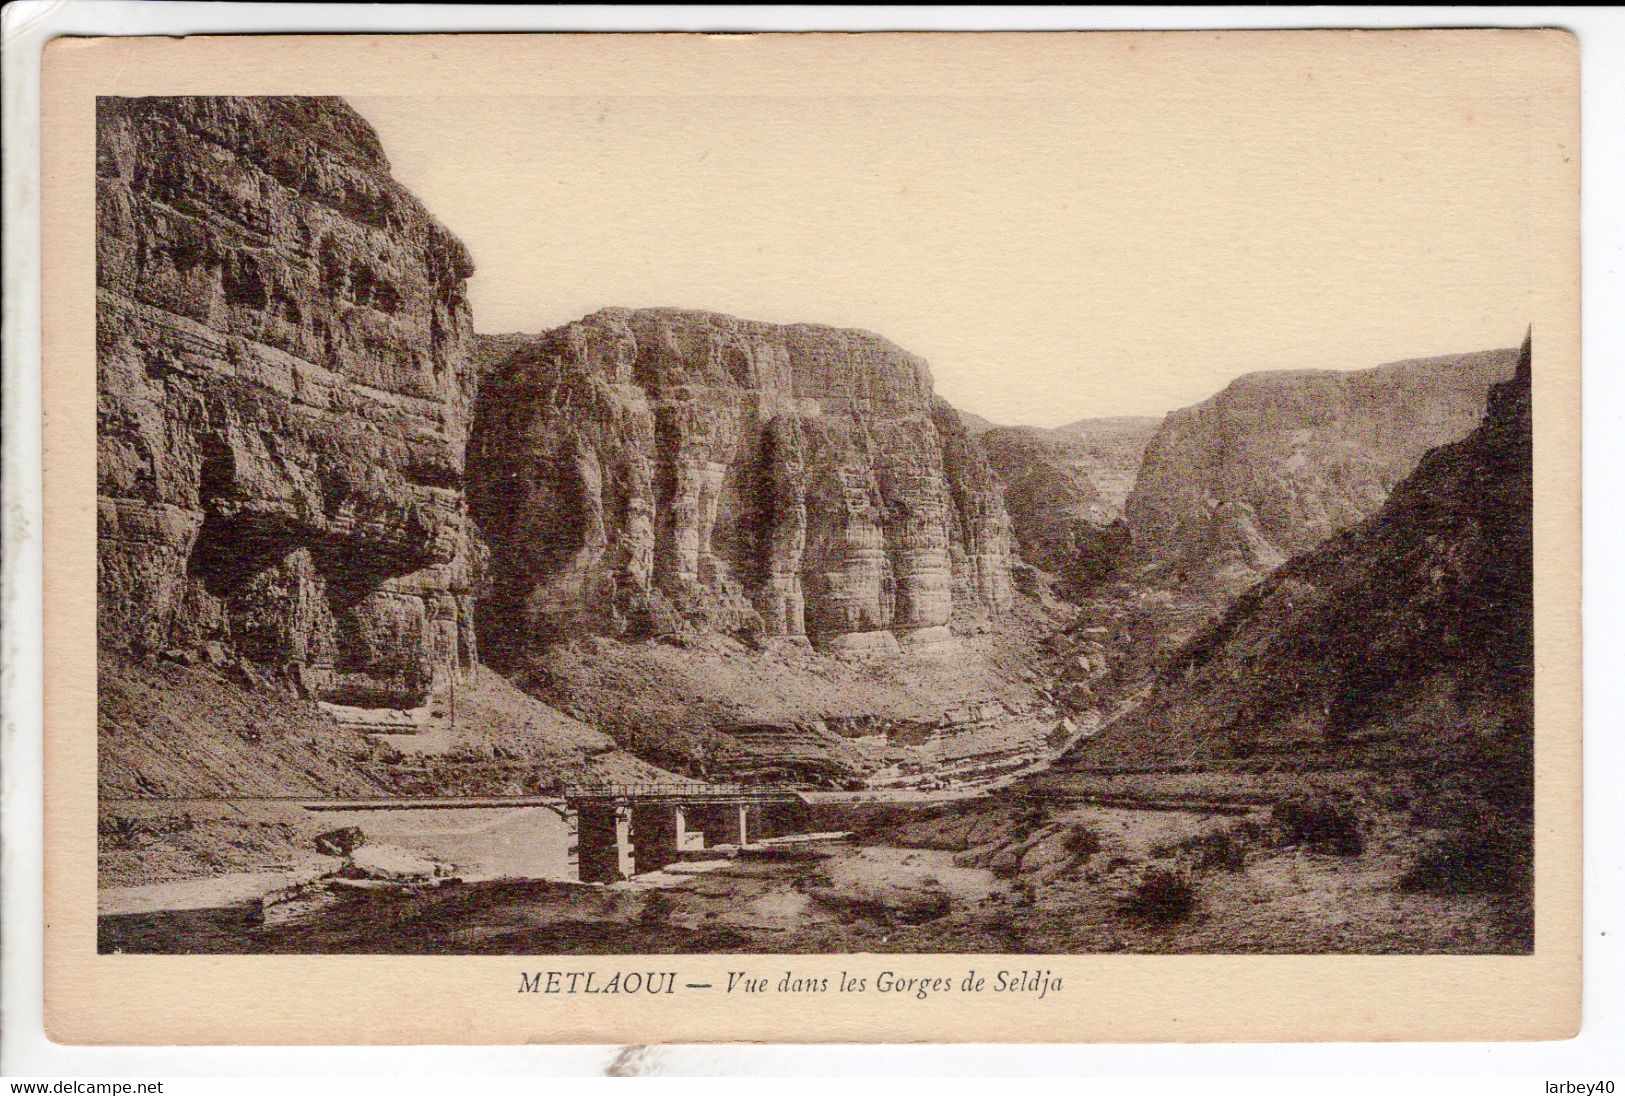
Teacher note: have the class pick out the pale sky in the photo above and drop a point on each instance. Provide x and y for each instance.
(1113, 235)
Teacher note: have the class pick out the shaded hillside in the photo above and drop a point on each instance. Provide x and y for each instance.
(1412, 629)
(1279, 461)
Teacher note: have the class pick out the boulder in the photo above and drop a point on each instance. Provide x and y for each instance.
(340, 842)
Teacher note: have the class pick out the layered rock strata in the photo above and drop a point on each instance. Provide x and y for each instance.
(639, 473)
(284, 393)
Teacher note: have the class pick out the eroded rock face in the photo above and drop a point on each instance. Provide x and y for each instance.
(1278, 462)
(645, 472)
(284, 393)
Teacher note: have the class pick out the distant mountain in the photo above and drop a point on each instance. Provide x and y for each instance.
(1412, 629)
(1113, 449)
(1064, 489)
(1279, 461)
(975, 424)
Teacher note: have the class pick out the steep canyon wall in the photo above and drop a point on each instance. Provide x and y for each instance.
(284, 397)
(644, 472)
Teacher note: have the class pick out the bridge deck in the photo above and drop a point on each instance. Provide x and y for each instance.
(683, 793)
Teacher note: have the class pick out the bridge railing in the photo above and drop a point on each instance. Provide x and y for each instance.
(669, 789)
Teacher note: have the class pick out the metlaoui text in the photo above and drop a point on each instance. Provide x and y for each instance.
(593, 981)
(1039, 983)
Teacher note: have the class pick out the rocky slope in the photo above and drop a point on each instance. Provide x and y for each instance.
(645, 473)
(171, 730)
(1279, 461)
(284, 399)
(1412, 629)
(1065, 489)
(710, 706)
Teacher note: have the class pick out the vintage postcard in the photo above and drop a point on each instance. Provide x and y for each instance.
(895, 537)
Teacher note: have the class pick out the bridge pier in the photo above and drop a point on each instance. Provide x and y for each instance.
(688, 839)
(654, 835)
(603, 841)
(625, 830)
(722, 823)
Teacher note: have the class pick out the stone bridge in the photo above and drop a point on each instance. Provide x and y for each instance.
(621, 830)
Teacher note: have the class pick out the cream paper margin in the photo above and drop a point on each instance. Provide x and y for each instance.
(342, 999)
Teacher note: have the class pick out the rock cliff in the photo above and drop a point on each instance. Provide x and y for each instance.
(1413, 627)
(650, 472)
(1279, 461)
(284, 395)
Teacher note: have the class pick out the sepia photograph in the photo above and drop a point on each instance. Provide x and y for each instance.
(1000, 500)
(665, 629)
